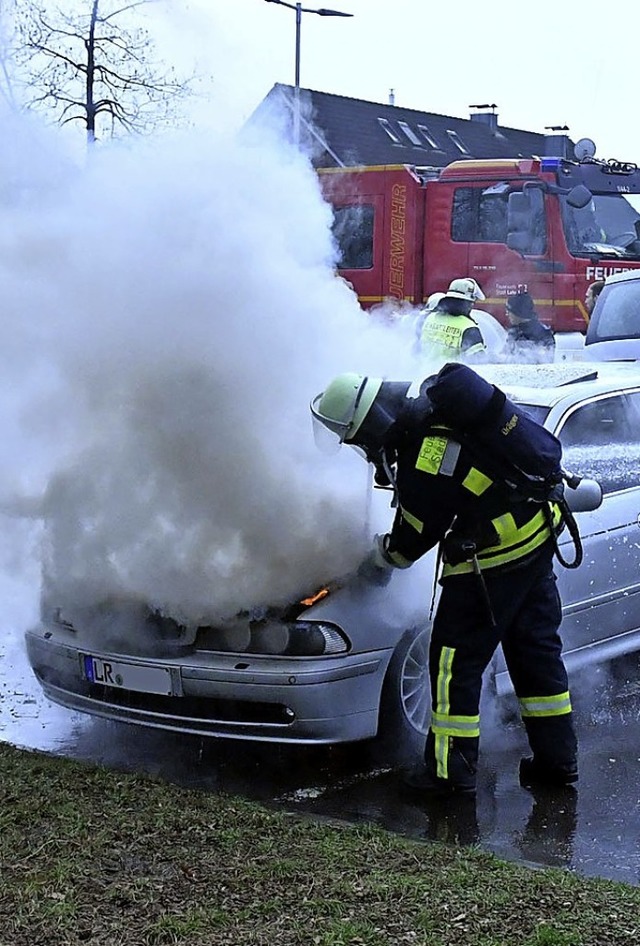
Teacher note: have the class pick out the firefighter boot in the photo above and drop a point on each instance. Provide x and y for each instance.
(554, 746)
(538, 771)
(458, 765)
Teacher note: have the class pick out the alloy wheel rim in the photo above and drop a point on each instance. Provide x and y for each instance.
(414, 684)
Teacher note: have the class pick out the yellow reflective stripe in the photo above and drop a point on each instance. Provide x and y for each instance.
(441, 750)
(431, 454)
(443, 682)
(476, 482)
(490, 559)
(474, 349)
(399, 560)
(444, 725)
(541, 706)
(417, 524)
(506, 523)
(515, 543)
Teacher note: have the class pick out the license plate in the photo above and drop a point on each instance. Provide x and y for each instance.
(124, 676)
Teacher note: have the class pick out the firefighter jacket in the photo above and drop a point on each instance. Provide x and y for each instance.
(445, 495)
(451, 336)
(531, 339)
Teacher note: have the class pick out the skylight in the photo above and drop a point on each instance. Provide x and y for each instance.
(410, 133)
(386, 126)
(428, 137)
(455, 138)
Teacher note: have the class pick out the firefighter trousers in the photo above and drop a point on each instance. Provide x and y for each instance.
(526, 617)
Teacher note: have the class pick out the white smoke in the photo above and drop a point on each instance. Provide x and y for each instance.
(169, 310)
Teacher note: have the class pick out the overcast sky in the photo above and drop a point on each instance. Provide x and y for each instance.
(573, 63)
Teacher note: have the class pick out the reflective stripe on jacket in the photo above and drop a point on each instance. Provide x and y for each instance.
(441, 490)
(516, 541)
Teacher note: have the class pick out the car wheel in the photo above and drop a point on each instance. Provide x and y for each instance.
(405, 707)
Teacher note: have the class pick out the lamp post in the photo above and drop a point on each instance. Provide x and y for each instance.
(299, 10)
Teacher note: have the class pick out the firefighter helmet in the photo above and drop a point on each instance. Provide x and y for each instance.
(343, 406)
(360, 411)
(467, 289)
(432, 301)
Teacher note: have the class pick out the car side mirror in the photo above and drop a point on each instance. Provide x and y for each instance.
(585, 497)
(579, 196)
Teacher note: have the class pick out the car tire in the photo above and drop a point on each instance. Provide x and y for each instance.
(405, 705)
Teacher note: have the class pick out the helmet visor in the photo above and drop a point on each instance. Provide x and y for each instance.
(328, 433)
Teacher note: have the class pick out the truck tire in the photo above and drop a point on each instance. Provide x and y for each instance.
(405, 705)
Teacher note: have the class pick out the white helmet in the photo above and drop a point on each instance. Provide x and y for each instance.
(432, 301)
(467, 289)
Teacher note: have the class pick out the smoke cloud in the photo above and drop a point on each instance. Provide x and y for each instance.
(169, 311)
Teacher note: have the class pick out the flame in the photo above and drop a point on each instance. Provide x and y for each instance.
(313, 599)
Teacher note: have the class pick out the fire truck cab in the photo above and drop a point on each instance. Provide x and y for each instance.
(548, 225)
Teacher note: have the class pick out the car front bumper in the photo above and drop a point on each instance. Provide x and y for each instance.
(324, 700)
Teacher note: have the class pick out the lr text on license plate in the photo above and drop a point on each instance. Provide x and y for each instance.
(126, 676)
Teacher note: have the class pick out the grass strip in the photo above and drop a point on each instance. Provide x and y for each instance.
(90, 855)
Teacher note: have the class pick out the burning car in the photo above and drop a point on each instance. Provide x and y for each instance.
(347, 661)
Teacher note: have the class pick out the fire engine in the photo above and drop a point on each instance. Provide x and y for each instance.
(548, 225)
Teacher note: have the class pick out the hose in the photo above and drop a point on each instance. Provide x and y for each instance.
(568, 518)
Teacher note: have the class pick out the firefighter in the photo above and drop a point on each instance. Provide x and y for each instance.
(497, 581)
(449, 331)
(527, 338)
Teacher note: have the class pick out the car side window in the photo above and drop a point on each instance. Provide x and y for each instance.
(601, 439)
(617, 316)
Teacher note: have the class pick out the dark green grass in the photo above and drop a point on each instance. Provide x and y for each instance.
(94, 856)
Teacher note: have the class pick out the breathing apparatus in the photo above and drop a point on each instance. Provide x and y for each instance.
(375, 415)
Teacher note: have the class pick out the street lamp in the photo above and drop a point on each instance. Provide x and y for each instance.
(299, 11)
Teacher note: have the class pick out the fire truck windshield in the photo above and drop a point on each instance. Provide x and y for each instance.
(607, 226)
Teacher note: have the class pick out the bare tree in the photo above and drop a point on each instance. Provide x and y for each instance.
(6, 20)
(96, 68)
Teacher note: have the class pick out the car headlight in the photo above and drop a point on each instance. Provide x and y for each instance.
(297, 639)
(277, 638)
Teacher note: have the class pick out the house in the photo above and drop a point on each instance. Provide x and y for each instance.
(340, 131)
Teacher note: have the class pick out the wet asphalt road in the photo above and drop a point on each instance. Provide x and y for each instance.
(594, 831)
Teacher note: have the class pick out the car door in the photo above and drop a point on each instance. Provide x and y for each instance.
(601, 598)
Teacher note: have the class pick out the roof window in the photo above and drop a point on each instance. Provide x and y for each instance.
(410, 133)
(455, 138)
(428, 137)
(386, 126)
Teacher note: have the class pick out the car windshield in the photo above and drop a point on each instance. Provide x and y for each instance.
(605, 226)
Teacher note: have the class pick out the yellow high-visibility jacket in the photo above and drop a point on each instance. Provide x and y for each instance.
(450, 336)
